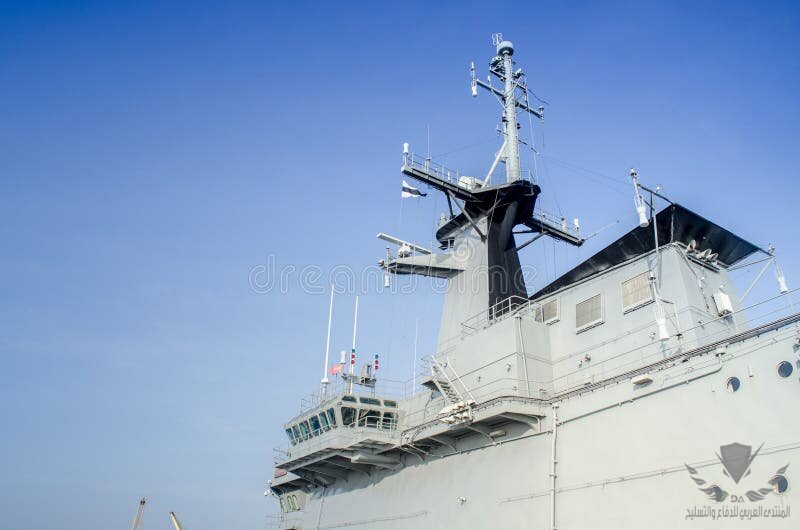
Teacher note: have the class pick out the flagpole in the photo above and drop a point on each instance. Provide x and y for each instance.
(400, 221)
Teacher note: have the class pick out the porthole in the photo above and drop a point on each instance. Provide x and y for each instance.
(785, 369)
(733, 384)
(780, 484)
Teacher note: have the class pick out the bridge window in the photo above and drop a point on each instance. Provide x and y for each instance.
(389, 403)
(636, 292)
(589, 313)
(323, 420)
(296, 433)
(369, 418)
(348, 416)
(315, 426)
(370, 401)
(331, 418)
(304, 431)
(349, 398)
(291, 436)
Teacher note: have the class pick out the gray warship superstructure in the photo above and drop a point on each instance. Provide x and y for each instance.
(636, 390)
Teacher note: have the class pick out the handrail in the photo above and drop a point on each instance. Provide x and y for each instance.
(495, 313)
(441, 369)
(429, 166)
(384, 389)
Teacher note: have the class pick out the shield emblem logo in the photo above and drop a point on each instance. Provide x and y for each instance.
(736, 459)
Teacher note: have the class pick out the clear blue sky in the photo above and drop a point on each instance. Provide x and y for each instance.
(152, 154)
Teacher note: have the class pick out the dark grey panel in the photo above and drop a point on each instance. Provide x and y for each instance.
(675, 224)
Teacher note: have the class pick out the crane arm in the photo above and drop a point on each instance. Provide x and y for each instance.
(137, 519)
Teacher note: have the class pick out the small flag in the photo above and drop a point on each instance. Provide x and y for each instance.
(336, 368)
(411, 191)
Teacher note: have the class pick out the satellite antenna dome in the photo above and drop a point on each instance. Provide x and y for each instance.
(505, 47)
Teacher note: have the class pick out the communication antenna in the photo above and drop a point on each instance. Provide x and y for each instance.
(353, 349)
(324, 381)
(783, 287)
(387, 279)
(644, 222)
(474, 83)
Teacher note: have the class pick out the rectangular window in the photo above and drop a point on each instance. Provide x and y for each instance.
(315, 427)
(636, 292)
(368, 418)
(589, 313)
(291, 436)
(304, 432)
(348, 416)
(548, 312)
(323, 420)
(331, 418)
(296, 433)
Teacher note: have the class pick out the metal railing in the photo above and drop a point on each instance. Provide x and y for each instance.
(338, 387)
(500, 387)
(496, 313)
(434, 168)
(556, 221)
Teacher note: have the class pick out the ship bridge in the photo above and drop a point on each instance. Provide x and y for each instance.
(343, 434)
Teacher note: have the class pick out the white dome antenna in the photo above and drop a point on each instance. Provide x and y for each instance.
(505, 47)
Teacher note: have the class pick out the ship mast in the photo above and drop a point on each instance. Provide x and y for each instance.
(480, 258)
(505, 49)
(513, 96)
